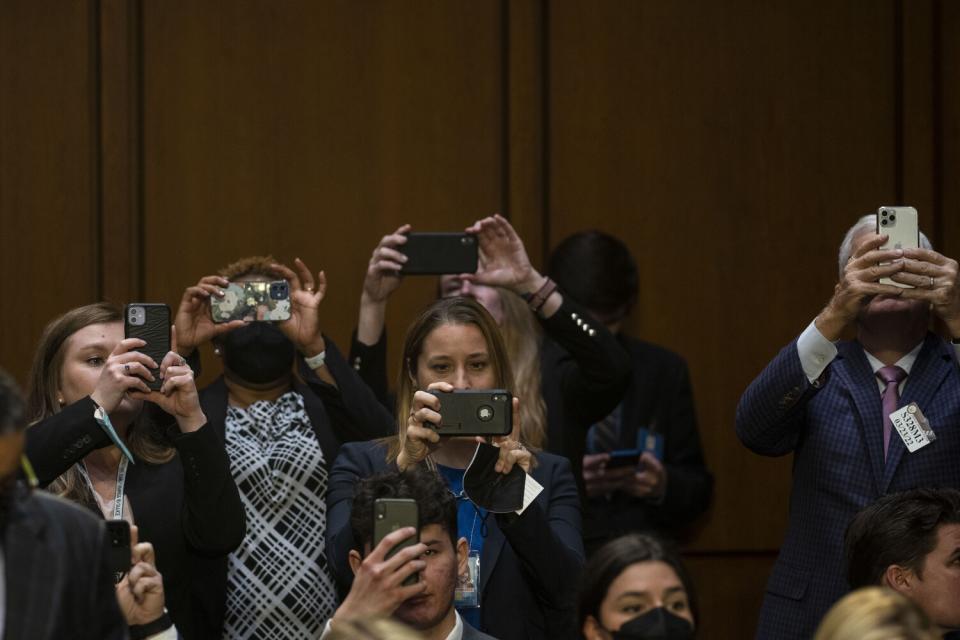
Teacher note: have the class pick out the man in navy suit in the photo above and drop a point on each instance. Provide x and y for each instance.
(828, 402)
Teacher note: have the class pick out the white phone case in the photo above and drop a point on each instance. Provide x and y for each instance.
(900, 224)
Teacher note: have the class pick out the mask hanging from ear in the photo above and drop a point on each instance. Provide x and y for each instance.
(489, 489)
(258, 353)
(656, 624)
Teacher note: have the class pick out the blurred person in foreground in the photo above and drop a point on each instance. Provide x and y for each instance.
(875, 613)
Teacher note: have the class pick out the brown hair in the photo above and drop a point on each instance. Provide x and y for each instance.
(42, 401)
(457, 311)
(251, 265)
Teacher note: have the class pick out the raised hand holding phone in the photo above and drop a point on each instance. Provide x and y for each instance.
(379, 578)
(195, 322)
(306, 294)
(177, 394)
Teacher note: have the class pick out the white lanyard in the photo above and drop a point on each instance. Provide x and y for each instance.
(121, 481)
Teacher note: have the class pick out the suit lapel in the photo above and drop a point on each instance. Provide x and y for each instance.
(31, 575)
(492, 546)
(933, 364)
(857, 378)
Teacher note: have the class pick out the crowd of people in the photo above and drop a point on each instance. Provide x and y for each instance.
(253, 504)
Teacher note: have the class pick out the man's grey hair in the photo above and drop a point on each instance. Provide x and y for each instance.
(867, 223)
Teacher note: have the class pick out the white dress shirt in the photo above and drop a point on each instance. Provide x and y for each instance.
(455, 634)
(816, 353)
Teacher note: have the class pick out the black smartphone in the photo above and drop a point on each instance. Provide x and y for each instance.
(624, 458)
(118, 539)
(439, 253)
(150, 322)
(475, 412)
(390, 514)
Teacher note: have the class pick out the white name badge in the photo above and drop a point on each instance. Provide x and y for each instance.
(913, 427)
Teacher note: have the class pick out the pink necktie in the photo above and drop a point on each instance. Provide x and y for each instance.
(891, 376)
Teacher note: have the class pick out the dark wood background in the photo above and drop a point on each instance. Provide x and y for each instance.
(144, 144)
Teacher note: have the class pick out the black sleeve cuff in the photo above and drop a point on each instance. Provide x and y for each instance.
(141, 631)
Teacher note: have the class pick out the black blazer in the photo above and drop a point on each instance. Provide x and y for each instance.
(58, 580)
(529, 565)
(659, 398)
(189, 508)
(337, 414)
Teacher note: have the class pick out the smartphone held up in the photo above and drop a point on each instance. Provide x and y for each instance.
(902, 229)
(150, 322)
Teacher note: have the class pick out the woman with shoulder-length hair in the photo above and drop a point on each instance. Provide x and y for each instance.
(99, 436)
(527, 562)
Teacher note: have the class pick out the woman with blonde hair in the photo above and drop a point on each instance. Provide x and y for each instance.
(589, 370)
(876, 613)
(524, 562)
(101, 437)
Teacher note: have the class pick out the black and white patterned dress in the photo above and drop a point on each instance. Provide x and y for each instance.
(278, 582)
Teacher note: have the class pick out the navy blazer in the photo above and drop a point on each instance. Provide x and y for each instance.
(660, 398)
(529, 565)
(834, 427)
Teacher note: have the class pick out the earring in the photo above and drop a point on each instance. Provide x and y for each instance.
(60, 400)
(216, 351)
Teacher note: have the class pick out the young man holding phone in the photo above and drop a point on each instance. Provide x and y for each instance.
(438, 559)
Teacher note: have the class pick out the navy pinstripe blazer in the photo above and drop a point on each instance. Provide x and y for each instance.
(834, 428)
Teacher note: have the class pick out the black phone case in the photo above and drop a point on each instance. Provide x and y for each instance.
(390, 514)
(470, 412)
(439, 253)
(155, 332)
(118, 537)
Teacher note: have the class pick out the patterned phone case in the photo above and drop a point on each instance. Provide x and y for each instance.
(248, 300)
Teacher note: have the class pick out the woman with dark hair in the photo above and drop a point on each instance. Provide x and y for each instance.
(101, 437)
(671, 486)
(635, 587)
(526, 563)
(282, 407)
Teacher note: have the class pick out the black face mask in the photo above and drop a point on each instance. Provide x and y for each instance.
(656, 624)
(258, 353)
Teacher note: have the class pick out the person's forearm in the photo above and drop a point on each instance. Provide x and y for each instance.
(532, 284)
(371, 320)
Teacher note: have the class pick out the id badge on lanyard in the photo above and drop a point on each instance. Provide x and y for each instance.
(118, 495)
(467, 593)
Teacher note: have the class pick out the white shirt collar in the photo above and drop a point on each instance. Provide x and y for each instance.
(457, 632)
(905, 363)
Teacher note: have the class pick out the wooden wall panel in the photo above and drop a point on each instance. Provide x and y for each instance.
(730, 145)
(947, 21)
(312, 129)
(730, 590)
(48, 169)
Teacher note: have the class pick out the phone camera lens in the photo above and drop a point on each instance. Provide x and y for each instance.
(892, 217)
